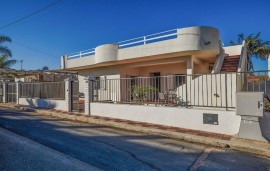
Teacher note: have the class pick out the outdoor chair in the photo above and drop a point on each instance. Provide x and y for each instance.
(161, 97)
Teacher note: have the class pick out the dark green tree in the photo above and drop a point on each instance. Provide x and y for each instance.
(3, 49)
(256, 47)
(5, 62)
(45, 68)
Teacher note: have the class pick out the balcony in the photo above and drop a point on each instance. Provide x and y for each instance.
(178, 42)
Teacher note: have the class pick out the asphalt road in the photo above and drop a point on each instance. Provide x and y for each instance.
(35, 142)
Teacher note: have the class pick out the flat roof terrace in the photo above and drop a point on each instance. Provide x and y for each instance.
(203, 40)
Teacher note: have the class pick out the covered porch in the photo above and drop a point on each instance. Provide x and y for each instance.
(177, 81)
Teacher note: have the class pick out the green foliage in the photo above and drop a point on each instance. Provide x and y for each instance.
(140, 92)
(45, 68)
(3, 49)
(6, 63)
(255, 47)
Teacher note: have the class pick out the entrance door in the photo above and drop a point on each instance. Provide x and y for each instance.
(155, 82)
(75, 101)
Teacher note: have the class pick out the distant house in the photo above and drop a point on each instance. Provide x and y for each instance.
(47, 76)
(36, 75)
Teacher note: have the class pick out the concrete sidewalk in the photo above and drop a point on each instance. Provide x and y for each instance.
(206, 138)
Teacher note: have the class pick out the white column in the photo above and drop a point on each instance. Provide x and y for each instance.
(4, 92)
(18, 83)
(187, 97)
(190, 65)
(63, 61)
(88, 94)
(68, 94)
(268, 60)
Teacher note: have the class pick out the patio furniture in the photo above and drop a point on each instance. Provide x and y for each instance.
(161, 97)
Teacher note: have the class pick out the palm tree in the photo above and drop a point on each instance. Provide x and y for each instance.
(256, 47)
(3, 49)
(6, 63)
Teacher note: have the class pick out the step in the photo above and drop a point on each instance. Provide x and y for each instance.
(232, 57)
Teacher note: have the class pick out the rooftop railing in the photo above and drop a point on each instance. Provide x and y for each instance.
(161, 36)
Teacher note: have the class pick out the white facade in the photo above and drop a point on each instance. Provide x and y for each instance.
(191, 118)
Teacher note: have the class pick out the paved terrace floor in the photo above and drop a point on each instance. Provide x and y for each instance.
(37, 142)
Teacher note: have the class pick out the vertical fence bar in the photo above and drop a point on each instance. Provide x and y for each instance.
(186, 91)
(226, 95)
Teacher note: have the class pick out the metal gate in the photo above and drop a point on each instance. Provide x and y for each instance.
(77, 105)
(11, 92)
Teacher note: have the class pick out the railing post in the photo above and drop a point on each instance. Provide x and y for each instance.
(186, 91)
(5, 85)
(18, 83)
(68, 94)
(88, 94)
(144, 40)
(226, 92)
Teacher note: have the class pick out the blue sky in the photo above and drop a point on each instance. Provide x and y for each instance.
(74, 25)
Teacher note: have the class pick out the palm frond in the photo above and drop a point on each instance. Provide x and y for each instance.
(8, 63)
(5, 62)
(240, 38)
(256, 47)
(5, 51)
(5, 39)
(232, 43)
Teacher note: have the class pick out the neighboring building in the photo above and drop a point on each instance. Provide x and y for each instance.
(193, 50)
(47, 76)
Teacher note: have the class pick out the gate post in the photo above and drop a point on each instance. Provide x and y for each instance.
(5, 92)
(88, 94)
(68, 94)
(18, 91)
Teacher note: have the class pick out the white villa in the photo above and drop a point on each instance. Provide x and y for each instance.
(193, 50)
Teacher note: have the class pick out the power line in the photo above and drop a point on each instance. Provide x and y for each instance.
(33, 49)
(29, 15)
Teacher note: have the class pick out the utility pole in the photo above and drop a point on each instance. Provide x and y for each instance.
(21, 61)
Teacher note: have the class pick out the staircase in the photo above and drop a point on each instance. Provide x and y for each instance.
(230, 64)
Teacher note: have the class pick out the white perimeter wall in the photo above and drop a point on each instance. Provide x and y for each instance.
(229, 122)
(43, 103)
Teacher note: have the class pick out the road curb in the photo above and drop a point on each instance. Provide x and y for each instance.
(234, 145)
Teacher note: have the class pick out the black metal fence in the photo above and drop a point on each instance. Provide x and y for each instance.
(207, 90)
(45, 90)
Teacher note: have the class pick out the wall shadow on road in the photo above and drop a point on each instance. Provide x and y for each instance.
(113, 149)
